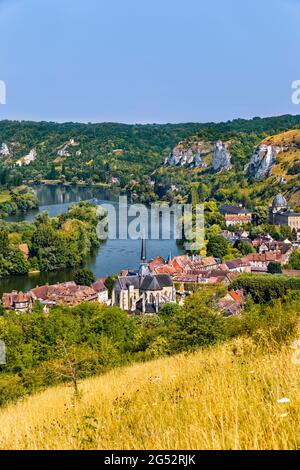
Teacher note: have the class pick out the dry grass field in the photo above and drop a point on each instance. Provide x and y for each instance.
(228, 397)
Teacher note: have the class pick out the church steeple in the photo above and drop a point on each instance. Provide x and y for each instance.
(143, 270)
(143, 250)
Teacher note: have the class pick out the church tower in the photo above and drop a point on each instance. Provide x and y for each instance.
(143, 251)
(143, 270)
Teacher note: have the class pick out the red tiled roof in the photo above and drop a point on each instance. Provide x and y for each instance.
(40, 292)
(158, 261)
(263, 257)
(235, 296)
(99, 286)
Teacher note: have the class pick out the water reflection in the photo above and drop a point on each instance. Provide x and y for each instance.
(112, 256)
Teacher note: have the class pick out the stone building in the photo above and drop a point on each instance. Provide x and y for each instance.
(281, 214)
(235, 215)
(142, 291)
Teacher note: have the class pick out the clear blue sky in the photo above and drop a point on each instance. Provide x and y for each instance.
(148, 60)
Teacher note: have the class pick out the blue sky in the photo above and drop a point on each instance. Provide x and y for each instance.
(148, 60)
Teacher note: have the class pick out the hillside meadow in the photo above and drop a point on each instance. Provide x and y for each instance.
(230, 396)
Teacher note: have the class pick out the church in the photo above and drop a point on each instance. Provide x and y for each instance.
(281, 214)
(142, 291)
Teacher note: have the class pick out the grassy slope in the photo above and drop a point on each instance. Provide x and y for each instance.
(214, 399)
(4, 196)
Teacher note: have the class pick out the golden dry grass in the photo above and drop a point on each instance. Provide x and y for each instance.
(284, 138)
(214, 399)
(4, 196)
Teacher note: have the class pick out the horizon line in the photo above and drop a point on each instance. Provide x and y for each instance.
(149, 123)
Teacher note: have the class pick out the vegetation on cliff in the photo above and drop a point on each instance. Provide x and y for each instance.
(131, 157)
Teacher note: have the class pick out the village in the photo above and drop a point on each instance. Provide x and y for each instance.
(160, 281)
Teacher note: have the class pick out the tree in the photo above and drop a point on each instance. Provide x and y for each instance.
(197, 324)
(265, 288)
(274, 267)
(218, 246)
(109, 283)
(244, 247)
(84, 277)
(294, 262)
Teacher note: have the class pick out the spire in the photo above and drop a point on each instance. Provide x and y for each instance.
(143, 270)
(143, 250)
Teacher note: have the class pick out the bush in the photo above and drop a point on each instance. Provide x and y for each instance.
(264, 288)
(218, 246)
(84, 277)
(274, 267)
(11, 388)
(273, 324)
(197, 324)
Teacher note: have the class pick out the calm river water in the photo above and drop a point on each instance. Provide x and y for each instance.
(110, 258)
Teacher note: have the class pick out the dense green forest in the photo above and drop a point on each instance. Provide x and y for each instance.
(133, 155)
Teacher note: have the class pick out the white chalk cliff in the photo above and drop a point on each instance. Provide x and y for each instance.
(4, 150)
(188, 154)
(221, 156)
(262, 161)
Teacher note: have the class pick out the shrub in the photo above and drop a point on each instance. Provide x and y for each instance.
(84, 277)
(264, 288)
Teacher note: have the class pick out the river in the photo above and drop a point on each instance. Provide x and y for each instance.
(111, 257)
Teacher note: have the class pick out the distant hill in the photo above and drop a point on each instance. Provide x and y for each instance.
(226, 397)
(215, 155)
(248, 168)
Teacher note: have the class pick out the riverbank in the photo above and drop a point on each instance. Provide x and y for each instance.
(49, 244)
(70, 183)
(110, 258)
(17, 200)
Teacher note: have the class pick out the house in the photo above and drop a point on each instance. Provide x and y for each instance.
(238, 265)
(260, 261)
(284, 247)
(212, 277)
(17, 301)
(156, 262)
(232, 303)
(180, 263)
(102, 291)
(281, 214)
(203, 262)
(243, 234)
(66, 293)
(143, 291)
(230, 236)
(235, 215)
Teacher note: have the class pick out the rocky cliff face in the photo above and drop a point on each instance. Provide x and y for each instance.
(4, 150)
(221, 156)
(191, 155)
(262, 161)
(188, 154)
